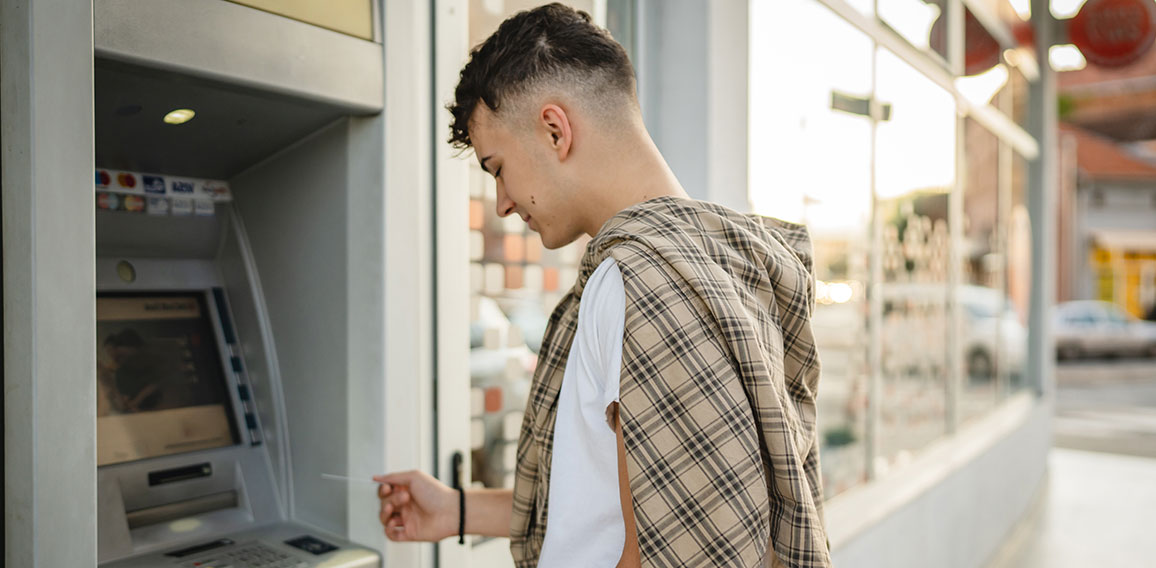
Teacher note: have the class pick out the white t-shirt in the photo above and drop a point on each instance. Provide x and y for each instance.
(585, 527)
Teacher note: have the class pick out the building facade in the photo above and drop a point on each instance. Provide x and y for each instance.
(911, 136)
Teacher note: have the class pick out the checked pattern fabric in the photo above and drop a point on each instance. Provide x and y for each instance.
(717, 397)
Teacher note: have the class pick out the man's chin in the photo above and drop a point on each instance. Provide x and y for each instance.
(553, 243)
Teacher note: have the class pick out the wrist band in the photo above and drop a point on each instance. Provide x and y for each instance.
(461, 516)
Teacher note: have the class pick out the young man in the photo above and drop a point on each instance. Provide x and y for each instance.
(671, 421)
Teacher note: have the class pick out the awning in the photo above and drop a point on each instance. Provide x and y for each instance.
(1125, 240)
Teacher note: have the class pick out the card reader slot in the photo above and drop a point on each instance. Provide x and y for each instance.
(181, 509)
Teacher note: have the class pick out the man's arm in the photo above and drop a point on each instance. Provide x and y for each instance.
(630, 554)
(488, 512)
(417, 507)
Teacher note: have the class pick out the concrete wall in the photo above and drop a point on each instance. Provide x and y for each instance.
(964, 515)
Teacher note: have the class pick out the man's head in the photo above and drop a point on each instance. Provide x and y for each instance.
(533, 101)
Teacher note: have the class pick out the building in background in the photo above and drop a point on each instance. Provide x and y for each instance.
(1107, 201)
(1108, 221)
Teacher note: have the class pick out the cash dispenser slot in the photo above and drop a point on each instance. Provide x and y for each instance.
(175, 474)
(181, 509)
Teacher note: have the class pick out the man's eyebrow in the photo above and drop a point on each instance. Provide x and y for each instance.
(483, 163)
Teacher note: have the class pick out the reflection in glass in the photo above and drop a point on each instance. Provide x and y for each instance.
(920, 22)
(915, 171)
(984, 320)
(810, 163)
(1019, 265)
(514, 285)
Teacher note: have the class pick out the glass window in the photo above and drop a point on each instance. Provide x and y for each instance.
(810, 148)
(923, 23)
(981, 295)
(514, 285)
(915, 173)
(1019, 270)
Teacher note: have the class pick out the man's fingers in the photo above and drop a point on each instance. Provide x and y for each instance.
(395, 530)
(399, 478)
(398, 498)
(384, 490)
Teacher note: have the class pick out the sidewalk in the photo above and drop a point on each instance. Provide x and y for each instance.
(1095, 509)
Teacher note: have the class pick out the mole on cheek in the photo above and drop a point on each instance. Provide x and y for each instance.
(532, 202)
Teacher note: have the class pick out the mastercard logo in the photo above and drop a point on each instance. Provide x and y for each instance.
(126, 180)
(134, 203)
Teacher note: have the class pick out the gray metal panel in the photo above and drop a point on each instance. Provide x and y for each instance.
(49, 336)
(255, 343)
(674, 52)
(124, 234)
(348, 555)
(234, 127)
(241, 45)
(294, 208)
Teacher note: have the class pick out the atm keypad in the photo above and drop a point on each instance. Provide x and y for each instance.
(252, 555)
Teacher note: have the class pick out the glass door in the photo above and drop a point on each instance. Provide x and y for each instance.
(497, 288)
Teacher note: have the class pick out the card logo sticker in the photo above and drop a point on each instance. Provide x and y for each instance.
(102, 179)
(182, 206)
(126, 180)
(134, 203)
(217, 190)
(183, 186)
(107, 201)
(204, 208)
(158, 205)
(154, 185)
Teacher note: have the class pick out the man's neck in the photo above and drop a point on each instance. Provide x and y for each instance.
(635, 172)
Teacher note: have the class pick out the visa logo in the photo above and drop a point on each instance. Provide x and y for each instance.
(154, 184)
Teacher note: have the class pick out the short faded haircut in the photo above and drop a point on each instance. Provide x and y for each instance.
(552, 46)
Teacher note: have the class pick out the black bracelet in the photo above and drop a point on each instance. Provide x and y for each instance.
(461, 516)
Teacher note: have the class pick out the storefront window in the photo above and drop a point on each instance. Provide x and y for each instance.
(923, 23)
(515, 283)
(810, 149)
(1019, 269)
(985, 321)
(915, 172)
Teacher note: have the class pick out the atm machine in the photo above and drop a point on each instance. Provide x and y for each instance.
(227, 279)
(185, 475)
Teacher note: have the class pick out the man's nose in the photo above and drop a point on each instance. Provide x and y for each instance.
(505, 205)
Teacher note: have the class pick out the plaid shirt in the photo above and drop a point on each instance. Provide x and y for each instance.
(718, 383)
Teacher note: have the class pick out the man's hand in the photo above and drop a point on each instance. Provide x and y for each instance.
(416, 507)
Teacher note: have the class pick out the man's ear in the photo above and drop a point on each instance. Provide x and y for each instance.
(556, 124)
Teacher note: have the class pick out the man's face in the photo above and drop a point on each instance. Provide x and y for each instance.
(529, 176)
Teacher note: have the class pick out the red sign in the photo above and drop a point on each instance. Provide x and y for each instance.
(1113, 33)
(981, 50)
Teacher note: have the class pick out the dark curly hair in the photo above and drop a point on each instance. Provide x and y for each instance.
(551, 43)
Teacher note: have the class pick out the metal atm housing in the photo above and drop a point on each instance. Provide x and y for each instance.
(286, 117)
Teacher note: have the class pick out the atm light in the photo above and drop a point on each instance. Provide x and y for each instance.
(179, 116)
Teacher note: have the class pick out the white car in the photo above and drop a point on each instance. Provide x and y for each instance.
(1091, 328)
(992, 332)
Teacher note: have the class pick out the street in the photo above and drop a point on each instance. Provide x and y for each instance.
(1100, 473)
(1107, 406)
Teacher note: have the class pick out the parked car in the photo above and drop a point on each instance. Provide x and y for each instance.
(992, 332)
(1101, 329)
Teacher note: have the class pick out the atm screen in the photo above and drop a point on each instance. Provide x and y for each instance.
(160, 386)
